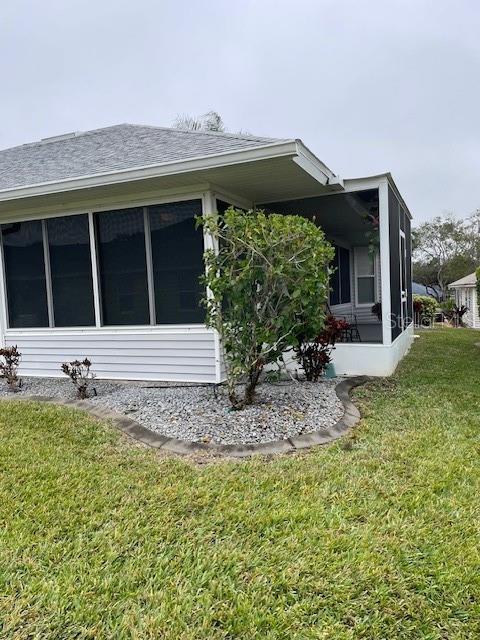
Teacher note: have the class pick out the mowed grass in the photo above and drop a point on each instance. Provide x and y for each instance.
(376, 536)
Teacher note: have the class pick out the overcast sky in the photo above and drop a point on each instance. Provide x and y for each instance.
(368, 86)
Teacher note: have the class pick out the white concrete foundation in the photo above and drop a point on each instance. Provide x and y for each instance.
(354, 359)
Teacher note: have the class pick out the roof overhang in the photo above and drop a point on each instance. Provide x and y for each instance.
(369, 181)
(273, 171)
(464, 285)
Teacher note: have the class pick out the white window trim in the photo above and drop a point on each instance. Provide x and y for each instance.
(362, 305)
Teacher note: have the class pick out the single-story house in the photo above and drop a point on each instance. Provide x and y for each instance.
(101, 257)
(465, 292)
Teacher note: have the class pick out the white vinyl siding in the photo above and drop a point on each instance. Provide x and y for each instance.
(180, 355)
(468, 296)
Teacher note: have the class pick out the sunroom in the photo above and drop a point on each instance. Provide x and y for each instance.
(106, 264)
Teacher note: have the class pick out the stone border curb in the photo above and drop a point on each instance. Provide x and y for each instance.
(184, 447)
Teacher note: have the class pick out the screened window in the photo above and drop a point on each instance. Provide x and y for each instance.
(340, 278)
(149, 262)
(365, 276)
(177, 262)
(71, 271)
(25, 274)
(123, 267)
(222, 206)
(403, 265)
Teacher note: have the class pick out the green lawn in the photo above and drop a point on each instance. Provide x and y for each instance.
(376, 536)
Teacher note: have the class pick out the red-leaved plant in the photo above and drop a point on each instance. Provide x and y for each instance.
(80, 374)
(10, 359)
(417, 306)
(315, 355)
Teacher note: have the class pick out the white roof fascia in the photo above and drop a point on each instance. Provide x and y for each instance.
(312, 165)
(391, 182)
(461, 286)
(265, 152)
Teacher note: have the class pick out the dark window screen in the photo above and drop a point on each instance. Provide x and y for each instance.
(222, 206)
(408, 237)
(177, 256)
(395, 283)
(71, 269)
(340, 278)
(123, 267)
(344, 260)
(335, 278)
(25, 274)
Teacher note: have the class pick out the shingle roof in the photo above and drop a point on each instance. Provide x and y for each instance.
(123, 146)
(467, 281)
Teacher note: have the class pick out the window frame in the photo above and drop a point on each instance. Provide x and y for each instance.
(95, 273)
(340, 270)
(357, 276)
(48, 271)
(4, 287)
(146, 301)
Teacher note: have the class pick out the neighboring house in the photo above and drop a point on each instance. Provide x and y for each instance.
(465, 292)
(101, 255)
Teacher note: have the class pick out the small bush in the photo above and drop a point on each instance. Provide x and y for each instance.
(448, 309)
(80, 374)
(314, 355)
(454, 313)
(266, 285)
(9, 367)
(425, 308)
(459, 312)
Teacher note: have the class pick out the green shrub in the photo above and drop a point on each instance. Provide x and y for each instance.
(425, 307)
(267, 285)
(448, 308)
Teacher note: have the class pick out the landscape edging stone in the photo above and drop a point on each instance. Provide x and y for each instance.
(137, 431)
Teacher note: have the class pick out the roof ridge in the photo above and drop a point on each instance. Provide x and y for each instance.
(221, 134)
(59, 137)
(80, 134)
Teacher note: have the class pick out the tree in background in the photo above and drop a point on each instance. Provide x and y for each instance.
(210, 121)
(445, 249)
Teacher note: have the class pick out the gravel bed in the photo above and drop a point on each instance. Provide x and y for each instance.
(201, 413)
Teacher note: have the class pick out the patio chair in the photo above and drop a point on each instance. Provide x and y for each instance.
(351, 333)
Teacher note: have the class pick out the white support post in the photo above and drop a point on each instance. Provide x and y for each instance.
(48, 274)
(150, 279)
(95, 275)
(385, 262)
(209, 205)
